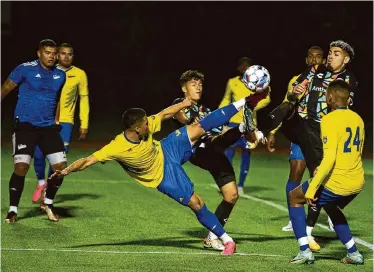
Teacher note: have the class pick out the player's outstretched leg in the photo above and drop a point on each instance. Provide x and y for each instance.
(39, 166)
(297, 215)
(210, 221)
(345, 235)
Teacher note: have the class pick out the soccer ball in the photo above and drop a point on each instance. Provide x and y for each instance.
(256, 78)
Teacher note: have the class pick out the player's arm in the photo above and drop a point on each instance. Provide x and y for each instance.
(330, 145)
(298, 87)
(84, 106)
(174, 109)
(227, 97)
(7, 87)
(78, 165)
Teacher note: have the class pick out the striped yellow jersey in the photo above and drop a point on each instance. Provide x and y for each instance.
(76, 84)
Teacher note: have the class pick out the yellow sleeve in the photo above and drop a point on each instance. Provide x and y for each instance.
(226, 100)
(107, 153)
(330, 140)
(154, 123)
(84, 104)
(260, 105)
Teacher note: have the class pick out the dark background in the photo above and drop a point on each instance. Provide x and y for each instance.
(135, 52)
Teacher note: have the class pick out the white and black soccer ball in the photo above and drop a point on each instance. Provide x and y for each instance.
(256, 78)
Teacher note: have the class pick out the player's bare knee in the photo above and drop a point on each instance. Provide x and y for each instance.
(21, 169)
(231, 197)
(59, 166)
(196, 203)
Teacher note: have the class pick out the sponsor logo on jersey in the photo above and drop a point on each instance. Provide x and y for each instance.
(21, 146)
(70, 76)
(318, 89)
(38, 76)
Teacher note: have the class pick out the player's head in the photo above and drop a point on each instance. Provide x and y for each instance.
(192, 84)
(337, 94)
(243, 64)
(315, 56)
(135, 119)
(65, 54)
(340, 54)
(47, 53)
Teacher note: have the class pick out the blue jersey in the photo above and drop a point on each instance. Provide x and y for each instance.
(38, 93)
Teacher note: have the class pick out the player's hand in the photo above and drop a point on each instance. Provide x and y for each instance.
(83, 133)
(270, 142)
(59, 173)
(260, 137)
(187, 102)
(298, 90)
(311, 201)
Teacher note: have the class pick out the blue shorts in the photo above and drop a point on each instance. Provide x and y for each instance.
(326, 197)
(176, 184)
(295, 153)
(241, 142)
(66, 132)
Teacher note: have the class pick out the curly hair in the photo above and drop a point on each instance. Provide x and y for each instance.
(345, 46)
(190, 75)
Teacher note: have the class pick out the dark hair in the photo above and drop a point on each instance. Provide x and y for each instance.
(345, 46)
(65, 45)
(47, 43)
(132, 116)
(244, 59)
(316, 47)
(339, 85)
(189, 75)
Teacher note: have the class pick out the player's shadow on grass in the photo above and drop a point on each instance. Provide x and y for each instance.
(238, 236)
(179, 242)
(63, 212)
(74, 197)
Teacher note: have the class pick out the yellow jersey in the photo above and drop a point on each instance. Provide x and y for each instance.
(341, 171)
(236, 90)
(76, 84)
(144, 160)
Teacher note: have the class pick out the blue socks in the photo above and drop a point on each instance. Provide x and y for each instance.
(210, 221)
(298, 219)
(39, 163)
(289, 187)
(218, 117)
(345, 236)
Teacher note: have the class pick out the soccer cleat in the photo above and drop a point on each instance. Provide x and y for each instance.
(240, 191)
(353, 258)
(50, 211)
(331, 225)
(304, 257)
(215, 244)
(39, 192)
(288, 227)
(11, 217)
(249, 124)
(230, 248)
(313, 244)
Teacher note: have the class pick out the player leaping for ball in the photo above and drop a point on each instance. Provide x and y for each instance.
(158, 164)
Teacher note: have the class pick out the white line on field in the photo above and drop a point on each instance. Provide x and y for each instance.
(135, 252)
(282, 208)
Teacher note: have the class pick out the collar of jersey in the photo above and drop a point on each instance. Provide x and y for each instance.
(341, 108)
(127, 139)
(71, 67)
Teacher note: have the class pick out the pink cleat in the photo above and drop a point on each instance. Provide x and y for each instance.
(230, 248)
(39, 192)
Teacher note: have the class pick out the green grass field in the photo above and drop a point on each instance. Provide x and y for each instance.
(111, 223)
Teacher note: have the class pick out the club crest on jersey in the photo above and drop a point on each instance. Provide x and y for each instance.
(56, 76)
(324, 139)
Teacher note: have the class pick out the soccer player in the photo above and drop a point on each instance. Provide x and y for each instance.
(209, 150)
(39, 84)
(236, 90)
(159, 164)
(296, 160)
(76, 84)
(338, 179)
(309, 95)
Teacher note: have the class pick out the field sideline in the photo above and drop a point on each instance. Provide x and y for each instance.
(111, 223)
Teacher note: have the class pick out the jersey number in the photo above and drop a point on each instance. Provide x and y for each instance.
(356, 140)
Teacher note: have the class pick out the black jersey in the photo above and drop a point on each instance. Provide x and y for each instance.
(312, 105)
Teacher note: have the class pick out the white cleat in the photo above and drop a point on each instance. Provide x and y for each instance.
(214, 244)
(288, 227)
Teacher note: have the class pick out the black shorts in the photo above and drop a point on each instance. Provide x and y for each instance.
(306, 134)
(213, 160)
(227, 139)
(26, 137)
